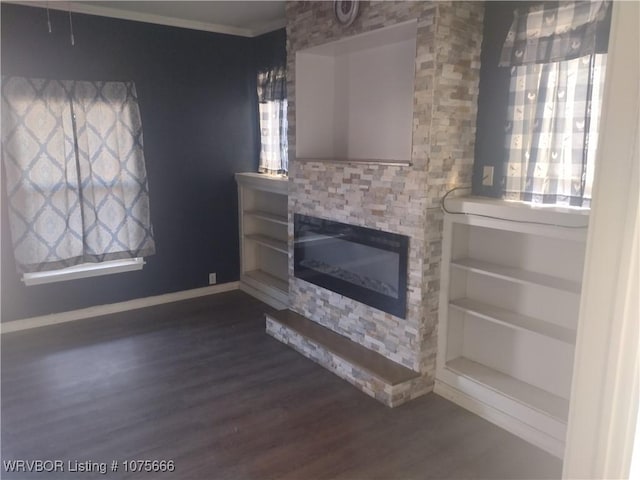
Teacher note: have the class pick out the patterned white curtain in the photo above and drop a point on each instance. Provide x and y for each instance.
(75, 175)
(555, 52)
(552, 134)
(273, 137)
(556, 31)
(272, 98)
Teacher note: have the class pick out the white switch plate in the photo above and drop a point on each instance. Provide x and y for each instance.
(212, 279)
(487, 176)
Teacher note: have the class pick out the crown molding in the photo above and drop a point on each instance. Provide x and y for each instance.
(268, 27)
(149, 18)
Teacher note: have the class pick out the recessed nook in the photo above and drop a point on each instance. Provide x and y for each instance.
(355, 96)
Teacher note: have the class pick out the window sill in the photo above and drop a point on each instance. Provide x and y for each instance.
(519, 211)
(84, 270)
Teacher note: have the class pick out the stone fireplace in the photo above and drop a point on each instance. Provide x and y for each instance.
(401, 199)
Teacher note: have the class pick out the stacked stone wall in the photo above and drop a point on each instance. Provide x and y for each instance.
(398, 199)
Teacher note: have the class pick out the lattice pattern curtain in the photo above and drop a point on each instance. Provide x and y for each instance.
(75, 173)
(555, 95)
(272, 98)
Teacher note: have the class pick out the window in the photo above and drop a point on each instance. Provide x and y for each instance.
(555, 97)
(272, 102)
(75, 175)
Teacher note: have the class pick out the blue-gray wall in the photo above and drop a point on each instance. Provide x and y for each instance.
(492, 97)
(198, 106)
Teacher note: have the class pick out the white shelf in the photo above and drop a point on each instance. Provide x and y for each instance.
(262, 181)
(272, 243)
(541, 400)
(517, 275)
(514, 320)
(577, 219)
(268, 217)
(268, 279)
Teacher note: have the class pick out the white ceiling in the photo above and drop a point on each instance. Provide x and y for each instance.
(245, 18)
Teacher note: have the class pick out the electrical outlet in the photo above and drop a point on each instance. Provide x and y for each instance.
(487, 176)
(212, 279)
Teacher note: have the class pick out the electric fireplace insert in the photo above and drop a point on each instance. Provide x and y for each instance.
(364, 264)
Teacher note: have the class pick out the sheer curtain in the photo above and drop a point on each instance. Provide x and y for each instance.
(75, 174)
(555, 95)
(272, 98)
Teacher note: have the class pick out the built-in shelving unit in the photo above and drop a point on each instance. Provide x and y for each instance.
(508, 314)
(262, 203)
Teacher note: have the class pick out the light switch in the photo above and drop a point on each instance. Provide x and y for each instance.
(487, 176)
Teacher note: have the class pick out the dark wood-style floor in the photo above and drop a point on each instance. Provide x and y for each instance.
(200, 383)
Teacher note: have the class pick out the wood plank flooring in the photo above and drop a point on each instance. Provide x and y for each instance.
(200, 383)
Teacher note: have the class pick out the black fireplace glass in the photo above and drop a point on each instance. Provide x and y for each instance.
(361, 263)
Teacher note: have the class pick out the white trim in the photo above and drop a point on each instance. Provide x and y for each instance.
(263, 181)
(84, 270)
(604, 395)
(263, 297)
(635, 456)
(520, 211)
(73, 315)
(151, 18)
(503, 420)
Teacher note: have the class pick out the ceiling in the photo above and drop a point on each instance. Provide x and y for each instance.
(245, 18)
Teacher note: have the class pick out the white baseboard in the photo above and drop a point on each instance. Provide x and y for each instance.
(509, 423)
(83, 313)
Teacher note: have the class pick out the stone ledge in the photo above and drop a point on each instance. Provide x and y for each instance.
(377, 376)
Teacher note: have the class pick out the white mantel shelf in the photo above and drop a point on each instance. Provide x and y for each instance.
(359, 161)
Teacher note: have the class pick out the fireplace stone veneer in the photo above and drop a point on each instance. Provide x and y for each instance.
(397, 199)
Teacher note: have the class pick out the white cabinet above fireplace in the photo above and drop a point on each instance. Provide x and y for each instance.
(354, 97)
